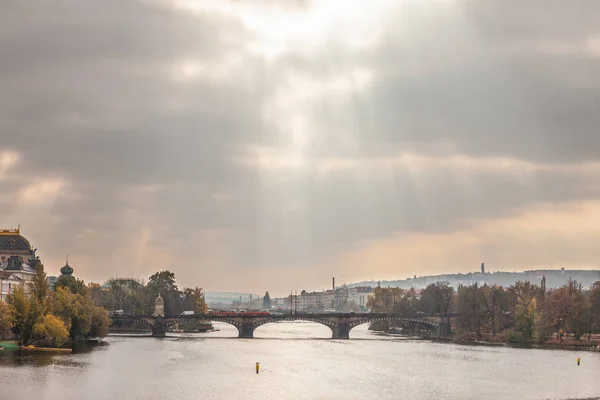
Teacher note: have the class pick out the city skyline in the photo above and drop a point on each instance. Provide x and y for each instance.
(230, 143)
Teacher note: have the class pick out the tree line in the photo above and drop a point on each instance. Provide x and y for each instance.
(138, 298)
(522, 313)
(52, 317)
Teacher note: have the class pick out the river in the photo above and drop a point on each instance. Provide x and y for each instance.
(298, 362)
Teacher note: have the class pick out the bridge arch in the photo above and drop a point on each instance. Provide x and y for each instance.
(319, 330)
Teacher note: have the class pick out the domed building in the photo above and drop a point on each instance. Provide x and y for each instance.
(17, 260)
(13, 244)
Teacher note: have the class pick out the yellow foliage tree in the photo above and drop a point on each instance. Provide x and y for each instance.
(7, 318)
(50, 328)
(21, 309)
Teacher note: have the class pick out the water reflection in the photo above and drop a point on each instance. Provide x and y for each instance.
(298, 361)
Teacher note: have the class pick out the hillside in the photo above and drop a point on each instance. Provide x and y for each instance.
(554, 278)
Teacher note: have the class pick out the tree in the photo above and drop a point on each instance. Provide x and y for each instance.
(39, 283)
(409, 303)
(100, 323)
(75, 311)
(163, 283)
(437, 298)
(578, 318)
(21, 308)
(52, 329)
(267, 301)
(73, 284)
(495, 301)
(7, 319)
(523, 295)
(471, 309)
(385, 300)
(594, 301)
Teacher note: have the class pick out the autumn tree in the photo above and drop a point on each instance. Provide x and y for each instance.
(578, 319)
(51, 329)
(100, 323)
(471, 309)
(21, 308)
(7, 319)
(495, 302)
(594, 313)
(524, 302)
(437, 298)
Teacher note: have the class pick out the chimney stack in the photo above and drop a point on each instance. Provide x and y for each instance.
(333, 283)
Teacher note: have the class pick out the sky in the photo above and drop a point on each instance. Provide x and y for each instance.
(270, 145)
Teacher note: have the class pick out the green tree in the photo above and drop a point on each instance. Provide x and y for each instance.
(163, 283)
(39, 283)
(73, 284)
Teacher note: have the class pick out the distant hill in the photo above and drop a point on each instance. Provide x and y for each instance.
(228, 297)
(554, 278)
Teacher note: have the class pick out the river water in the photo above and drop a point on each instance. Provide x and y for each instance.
(298, 362)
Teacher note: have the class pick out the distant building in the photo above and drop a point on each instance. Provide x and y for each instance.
(52, 281)
(8, 281)
(17, 260)
(482, 268)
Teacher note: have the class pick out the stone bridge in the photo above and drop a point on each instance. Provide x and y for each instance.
(339, 323)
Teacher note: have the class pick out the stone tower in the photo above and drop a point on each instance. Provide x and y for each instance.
(159, 307)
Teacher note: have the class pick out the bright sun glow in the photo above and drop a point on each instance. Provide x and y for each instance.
(354, 23)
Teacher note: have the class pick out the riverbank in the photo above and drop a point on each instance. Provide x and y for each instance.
(552, 344)
(501, 340)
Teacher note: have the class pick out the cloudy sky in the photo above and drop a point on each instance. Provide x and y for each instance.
(271, 144)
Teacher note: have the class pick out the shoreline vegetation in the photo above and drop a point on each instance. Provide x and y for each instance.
(524, 314)
(73, 312)
(42, 317)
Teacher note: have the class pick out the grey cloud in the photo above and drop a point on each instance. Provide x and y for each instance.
(469, 79)
(87, 97)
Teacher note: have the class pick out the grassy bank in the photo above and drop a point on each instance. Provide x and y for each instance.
(9, 345)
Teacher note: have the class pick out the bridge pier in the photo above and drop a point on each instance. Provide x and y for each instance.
(442, 330)
(341, 331)
(246, 330)
(159, 331)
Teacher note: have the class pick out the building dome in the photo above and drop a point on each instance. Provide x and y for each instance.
(11, 240)
(66, 270)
